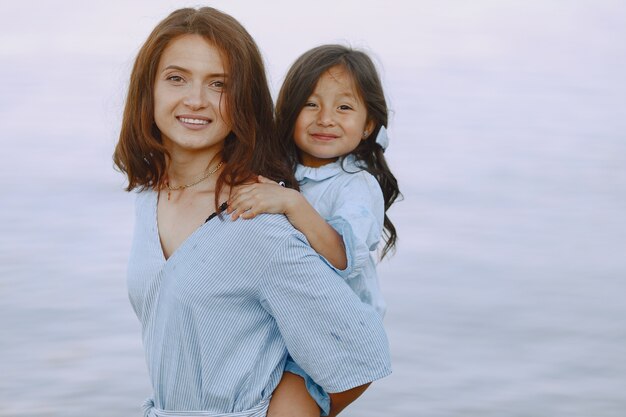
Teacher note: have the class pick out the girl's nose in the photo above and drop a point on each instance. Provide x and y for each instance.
(325, 118)
(196, 97)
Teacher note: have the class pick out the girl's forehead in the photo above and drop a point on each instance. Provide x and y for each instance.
(337, 79)
(339, 74)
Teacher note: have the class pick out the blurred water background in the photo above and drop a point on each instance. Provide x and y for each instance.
(506, 295)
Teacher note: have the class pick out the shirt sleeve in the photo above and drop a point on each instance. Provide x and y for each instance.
(358, 216)
(336, 339)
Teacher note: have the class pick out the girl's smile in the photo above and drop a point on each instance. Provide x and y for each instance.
(333, 120)
(324, 136)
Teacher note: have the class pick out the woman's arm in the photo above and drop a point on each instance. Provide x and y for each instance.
(266, 196)
(335, 338)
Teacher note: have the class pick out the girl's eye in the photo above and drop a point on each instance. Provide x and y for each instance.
(309, 104)
(345, 107)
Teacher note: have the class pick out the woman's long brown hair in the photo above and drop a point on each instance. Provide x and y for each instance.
(298, 86)
(251, 147)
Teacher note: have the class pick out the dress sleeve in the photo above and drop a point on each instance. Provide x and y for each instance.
(336, 339)
(358, 215)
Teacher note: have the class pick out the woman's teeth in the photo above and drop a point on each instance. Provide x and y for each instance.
(194, 121)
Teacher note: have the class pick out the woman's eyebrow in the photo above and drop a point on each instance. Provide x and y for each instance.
(175, 67)
(178, 68)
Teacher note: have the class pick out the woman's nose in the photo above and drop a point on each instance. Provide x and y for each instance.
(196, 97)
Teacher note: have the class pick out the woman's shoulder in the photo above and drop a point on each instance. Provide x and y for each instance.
(144, 200)
(143, 194)
(265, 237)
(268, 228)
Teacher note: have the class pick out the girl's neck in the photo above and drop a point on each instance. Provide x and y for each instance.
(312, 162)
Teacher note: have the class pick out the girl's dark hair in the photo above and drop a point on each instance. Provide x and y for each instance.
(250, 148)
(299, 84)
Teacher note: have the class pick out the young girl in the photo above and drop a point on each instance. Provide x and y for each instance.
(221, 303)
(332, 116)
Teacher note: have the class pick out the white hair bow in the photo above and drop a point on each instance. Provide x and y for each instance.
(382, 139)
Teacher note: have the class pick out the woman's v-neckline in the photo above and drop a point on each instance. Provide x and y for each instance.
(155, 219)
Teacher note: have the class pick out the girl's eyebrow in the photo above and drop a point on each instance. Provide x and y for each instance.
(348, 94)
(177, 68)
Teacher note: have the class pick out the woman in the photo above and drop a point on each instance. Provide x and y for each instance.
(222, 302)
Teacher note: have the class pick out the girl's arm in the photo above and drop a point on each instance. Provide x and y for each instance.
(266, 196)
(291, 399)
(340, 400)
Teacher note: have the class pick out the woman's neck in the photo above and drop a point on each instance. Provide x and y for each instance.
(188, 167)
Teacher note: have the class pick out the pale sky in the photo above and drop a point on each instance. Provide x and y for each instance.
(403, 35)
(52, 50)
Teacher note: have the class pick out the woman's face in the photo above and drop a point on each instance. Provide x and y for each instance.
(189, 100)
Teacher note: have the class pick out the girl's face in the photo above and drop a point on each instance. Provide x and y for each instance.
(189, 106)
(333, 121)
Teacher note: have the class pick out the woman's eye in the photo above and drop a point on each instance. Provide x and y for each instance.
(217, 84)
(175, 78)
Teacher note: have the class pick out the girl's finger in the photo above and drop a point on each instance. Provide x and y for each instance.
(238, 198)
(250, 214)
(242, 204)
(237, 191)
(237, 213)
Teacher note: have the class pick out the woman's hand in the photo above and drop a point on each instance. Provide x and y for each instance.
(265, 196)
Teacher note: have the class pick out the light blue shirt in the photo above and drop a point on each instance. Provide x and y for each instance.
(351, 201)
(219, 315)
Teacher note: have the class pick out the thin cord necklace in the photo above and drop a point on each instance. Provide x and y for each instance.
(185, 186)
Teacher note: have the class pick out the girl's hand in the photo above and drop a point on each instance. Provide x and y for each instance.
(265, 196)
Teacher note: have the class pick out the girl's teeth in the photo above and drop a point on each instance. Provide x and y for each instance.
(194, 121)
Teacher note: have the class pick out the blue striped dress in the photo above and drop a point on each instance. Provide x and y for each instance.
(220, 315)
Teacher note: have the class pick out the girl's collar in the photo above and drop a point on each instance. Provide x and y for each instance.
(346, 163)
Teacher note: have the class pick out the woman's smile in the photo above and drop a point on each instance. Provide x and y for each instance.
(194, 122)
(189, 100)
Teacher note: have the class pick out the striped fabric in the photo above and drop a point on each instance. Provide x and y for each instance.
(260, 410)
(220, 314)
(351, 201)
